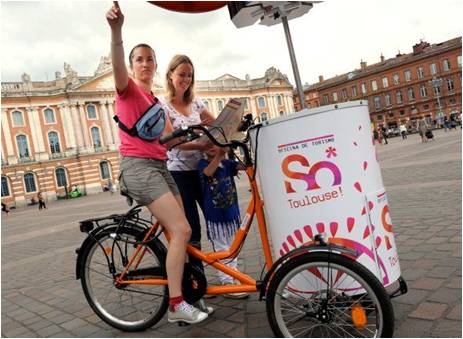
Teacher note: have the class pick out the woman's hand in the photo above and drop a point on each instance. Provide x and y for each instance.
(206, 117)
(114, 16)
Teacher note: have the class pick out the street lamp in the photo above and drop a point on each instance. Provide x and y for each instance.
(246, 13)
(436, 83)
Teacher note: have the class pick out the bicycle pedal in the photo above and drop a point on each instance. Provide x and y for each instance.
(182, 324)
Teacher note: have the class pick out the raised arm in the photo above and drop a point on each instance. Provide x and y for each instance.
(116, 19)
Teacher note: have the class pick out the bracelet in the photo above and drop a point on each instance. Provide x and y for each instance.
(117, 43)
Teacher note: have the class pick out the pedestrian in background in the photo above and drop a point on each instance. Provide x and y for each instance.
(384, 134)
(422, 128)
(41, 201)
(403, 131)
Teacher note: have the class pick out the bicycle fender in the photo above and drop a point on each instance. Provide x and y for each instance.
(338, 249)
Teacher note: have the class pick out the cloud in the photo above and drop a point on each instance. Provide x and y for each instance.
(38, 37)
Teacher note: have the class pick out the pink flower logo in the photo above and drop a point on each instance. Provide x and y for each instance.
(330, 152)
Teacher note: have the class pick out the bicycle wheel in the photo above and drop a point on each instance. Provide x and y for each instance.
(328, 295)
(131, 307)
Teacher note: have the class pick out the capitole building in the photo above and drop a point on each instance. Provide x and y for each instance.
(60, 134)
(425, 82)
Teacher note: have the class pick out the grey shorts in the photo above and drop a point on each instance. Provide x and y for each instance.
(145, 180)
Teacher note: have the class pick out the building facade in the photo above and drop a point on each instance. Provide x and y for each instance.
(425, 82)
(58, 135)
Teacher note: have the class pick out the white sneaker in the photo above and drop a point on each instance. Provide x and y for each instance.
(186, 313)
(235, 295)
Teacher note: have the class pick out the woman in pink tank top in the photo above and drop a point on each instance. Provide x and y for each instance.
(143, 171)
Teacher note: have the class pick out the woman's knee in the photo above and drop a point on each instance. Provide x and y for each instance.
(182, 232)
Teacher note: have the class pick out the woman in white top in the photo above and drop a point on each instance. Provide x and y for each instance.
(184, 109)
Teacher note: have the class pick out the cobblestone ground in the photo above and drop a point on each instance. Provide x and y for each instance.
(41, 298)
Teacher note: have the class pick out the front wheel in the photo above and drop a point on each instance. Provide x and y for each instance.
(323, 294)
(133, 307)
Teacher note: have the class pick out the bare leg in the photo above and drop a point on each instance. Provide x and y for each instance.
(169, 212)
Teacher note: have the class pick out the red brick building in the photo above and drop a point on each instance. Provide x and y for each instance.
(425, 82)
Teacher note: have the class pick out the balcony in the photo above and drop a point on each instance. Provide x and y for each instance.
(25, 159)
(57, 155)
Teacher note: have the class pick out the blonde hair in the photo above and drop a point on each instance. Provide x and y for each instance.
(176, 61)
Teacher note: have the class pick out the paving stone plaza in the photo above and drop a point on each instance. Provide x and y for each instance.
(42, 298)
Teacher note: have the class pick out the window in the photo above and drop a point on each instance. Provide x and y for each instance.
(408, 75)
(279, 100)
(379, 117)
(398, 96)
(374, 85)
(335, 96)
(23, 148)
(49, 116)
(423, 91)
(364, 88)
(436, 89)
(29, 182)
(377, 101)
(395, 78)
(433, 69)
(261, 102)
(344, 93)
(452, 101)
(5, 187)
(104, 170)
(61, 177)
(263, 116)
(411, 94)
(18, 119)
(206, 103)
(281, 113)
(450, 85)
(385, 82)
(354, 91)
(326, 99)
(459, 61)
(246, 105)
(220, 105)
(426, 107)
(91, 111)
(390, 115)
(446, 65)
(387, 99)
(96, 137)
(53, 140)
(420, 72)
(402, 113)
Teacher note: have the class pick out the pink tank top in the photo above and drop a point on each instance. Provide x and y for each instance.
(130, 105)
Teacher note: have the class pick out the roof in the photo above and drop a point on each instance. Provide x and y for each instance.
(400, 59)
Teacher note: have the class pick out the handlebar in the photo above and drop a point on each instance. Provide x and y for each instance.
(190, 131)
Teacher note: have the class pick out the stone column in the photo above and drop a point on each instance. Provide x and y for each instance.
(290, 103)
(106, 128)
(10, 156)
(83, 119)
(37, 134)
(77, 128)
(69, 135)
(253, 107)
(114, 127)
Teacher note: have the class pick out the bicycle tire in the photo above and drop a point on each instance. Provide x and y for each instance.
(327, 316)
(134, 307)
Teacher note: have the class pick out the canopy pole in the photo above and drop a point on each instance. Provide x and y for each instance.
(292, 55)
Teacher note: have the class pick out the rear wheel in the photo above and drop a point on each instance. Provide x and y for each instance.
(131, 307)
(328, 295)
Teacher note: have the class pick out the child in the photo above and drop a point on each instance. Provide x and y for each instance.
(221, 209)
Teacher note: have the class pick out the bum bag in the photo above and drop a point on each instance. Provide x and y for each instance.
(149, 126)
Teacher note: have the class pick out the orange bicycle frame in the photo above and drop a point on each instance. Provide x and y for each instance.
(248, 284)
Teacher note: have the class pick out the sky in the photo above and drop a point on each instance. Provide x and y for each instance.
(38, 37)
